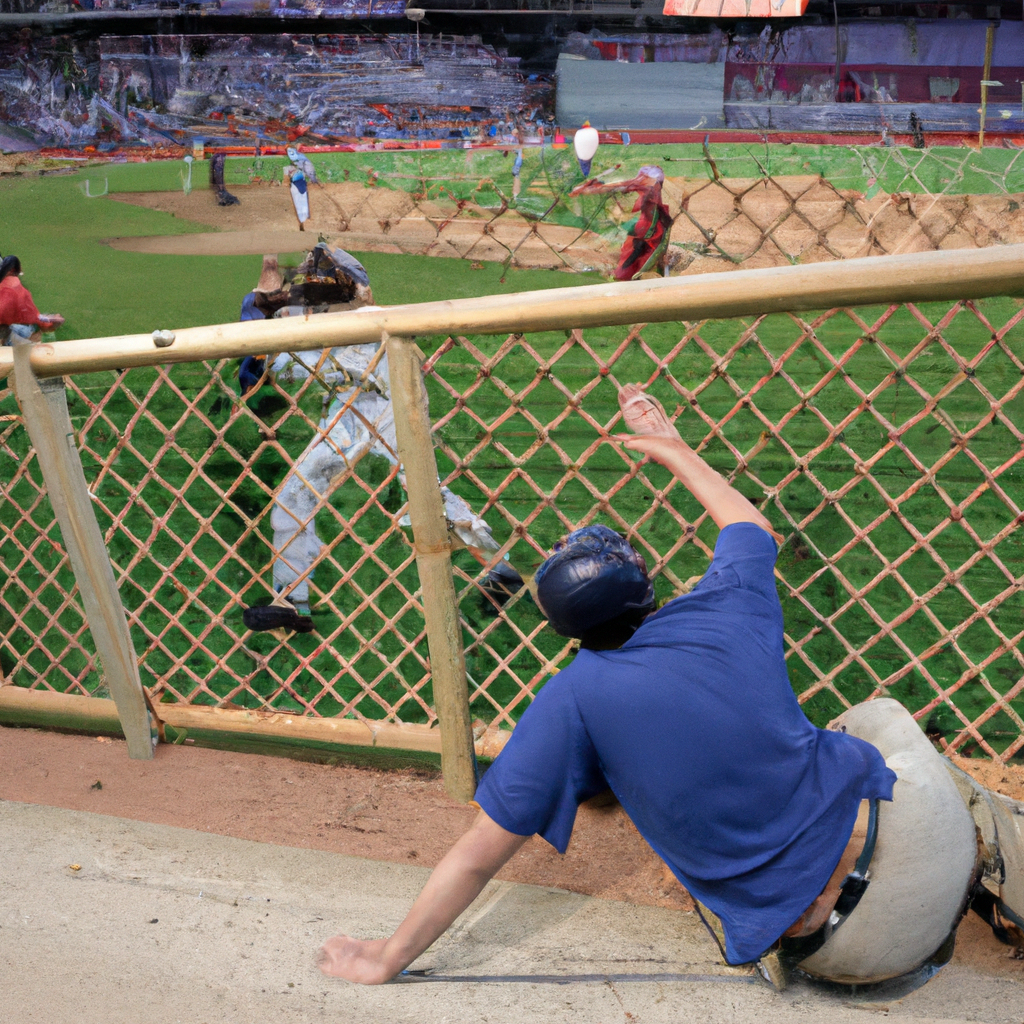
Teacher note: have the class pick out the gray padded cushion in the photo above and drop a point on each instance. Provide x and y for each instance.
(923, 863)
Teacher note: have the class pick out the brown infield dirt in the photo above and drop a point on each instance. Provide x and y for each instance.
(363, 220)
(398, 816)
(720, 225)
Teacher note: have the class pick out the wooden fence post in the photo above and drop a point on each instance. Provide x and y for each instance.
(990, 38)
(45, 409)
(433, 560)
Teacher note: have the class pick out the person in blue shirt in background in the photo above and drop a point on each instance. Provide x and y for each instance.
(252, 368)
(808, 847)
(271, 281)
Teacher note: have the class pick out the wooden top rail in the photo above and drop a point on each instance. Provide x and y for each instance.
(915, 277)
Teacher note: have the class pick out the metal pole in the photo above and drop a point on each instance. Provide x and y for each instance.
(990, 36)
(839, 57)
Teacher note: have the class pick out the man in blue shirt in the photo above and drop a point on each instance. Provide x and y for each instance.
(687, 714)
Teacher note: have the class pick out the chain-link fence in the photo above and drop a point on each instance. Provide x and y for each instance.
(885, 444)
(731, 206)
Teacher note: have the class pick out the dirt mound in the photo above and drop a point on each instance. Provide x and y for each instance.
(1007, 779)
(778, 221)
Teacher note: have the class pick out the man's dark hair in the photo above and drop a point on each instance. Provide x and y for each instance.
(10, 265)
(611, 635)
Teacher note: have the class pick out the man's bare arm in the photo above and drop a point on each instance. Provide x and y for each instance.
(454, 884)
(658, 438)
(724, 503)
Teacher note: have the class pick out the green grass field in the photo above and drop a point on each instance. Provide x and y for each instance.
(58, 233)
(833, 467)
(893, 169)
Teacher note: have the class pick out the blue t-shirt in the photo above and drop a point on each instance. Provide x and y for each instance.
(249, 310)
(695, 727)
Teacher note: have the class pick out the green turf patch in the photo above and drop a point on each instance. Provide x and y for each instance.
(484, 176)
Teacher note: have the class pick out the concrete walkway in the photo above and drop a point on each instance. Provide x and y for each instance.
(161, 924)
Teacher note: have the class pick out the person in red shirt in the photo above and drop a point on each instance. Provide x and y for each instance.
(646, 244)
(16, 306)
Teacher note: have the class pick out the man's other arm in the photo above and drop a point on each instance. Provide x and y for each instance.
(454, 884)
(724, 503)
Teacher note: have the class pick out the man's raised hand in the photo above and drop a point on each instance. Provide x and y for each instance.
(656, 436)
(643, 413)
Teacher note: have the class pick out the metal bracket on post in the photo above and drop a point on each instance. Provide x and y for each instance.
(45, 410)
(433, 560)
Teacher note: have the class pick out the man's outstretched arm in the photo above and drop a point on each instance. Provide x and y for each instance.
(657, 437)
(455, 883)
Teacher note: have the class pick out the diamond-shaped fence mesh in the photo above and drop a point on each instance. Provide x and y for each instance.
(185, 477)
(757, 208)
(884, 444)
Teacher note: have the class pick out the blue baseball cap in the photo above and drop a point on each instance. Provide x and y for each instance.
(593, 576)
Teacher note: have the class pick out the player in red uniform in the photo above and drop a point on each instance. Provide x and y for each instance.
(647, 242)
(17, 310)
